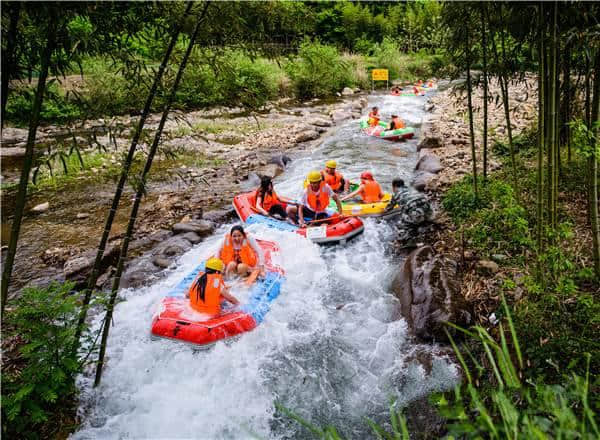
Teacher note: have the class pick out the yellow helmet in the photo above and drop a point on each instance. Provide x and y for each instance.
(314, 176)
(331, 164)
(214, 264)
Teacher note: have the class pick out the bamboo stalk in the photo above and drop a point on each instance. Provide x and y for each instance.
(470, 109)
(485, 91)
(541, 125)
(138, 198)
(593, 168)
(34, 122)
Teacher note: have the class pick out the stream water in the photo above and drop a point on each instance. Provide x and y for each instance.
(330, 349)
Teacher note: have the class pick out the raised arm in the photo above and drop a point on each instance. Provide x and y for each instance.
(352, 194)
(256, 248)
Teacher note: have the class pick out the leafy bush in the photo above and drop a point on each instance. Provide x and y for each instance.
(56, 107)
(496, 219)
(318, 71)
(44, 320)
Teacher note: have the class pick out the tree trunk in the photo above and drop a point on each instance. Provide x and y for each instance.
(34, 122)
(593, 168)
(485, 91)
(505, 100)
(552, 122)
(540, 154)
(470, 107)
(9, 55)
(91, 285)
(138, 198)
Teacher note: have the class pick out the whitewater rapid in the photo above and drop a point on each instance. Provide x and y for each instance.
(331, 349)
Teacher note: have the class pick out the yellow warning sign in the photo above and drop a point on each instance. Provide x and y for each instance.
(379, 74)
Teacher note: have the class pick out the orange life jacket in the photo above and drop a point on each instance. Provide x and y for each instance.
(373, 118)
(317, 201)
(398, 123)
(244, 255)
(333, 180)
(212, 294)
(370, 191)
(268, 200)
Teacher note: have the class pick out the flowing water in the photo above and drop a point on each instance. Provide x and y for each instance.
(330, 349)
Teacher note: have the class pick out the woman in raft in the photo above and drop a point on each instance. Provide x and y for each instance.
(208, 289)
(369, 190)
(240, 253)
(268, 202)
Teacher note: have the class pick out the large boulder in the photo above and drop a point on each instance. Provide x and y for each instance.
(272, 170)
(307, 135)
(280, 159)
(430, 142)
(79, 267)
(320, 121)
(200, 227)
(341, 115)
(424, 181)
(429, 292)
(220, 215)
(347, 91)
(429, 163)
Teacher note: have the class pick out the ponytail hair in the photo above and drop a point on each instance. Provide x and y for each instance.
(200, 284)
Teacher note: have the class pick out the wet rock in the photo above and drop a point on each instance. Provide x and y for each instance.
(429, 163)
(429, 294)
(78, 268)
(458, 141)
(429, 107)
(399, 152)
(425, 181)
(139, 273)
(347, 91)
(42, 207)
(320, 122)
(82, 215)
(200, 227)
(220, 215)
(11, 136)
(280, 159)
(272, 170)
(430, 142)
(161, 262)
(488, 266)
(341, 115)
(307, 135)
(192, 237)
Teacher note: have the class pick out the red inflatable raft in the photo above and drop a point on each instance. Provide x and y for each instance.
(337, 230)
(176, 320)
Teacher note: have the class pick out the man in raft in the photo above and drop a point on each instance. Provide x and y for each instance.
(240, 253)
(315, 200)
(396, 123)
(208, 289)
(334, 179)
(374, 116)
(369, 190)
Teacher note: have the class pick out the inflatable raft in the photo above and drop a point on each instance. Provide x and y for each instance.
(176, 320)
(337, 230)
(358, 209)
(390, 135)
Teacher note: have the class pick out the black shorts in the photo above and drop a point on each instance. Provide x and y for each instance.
(278, 210)
(310, 214)
(341, 188)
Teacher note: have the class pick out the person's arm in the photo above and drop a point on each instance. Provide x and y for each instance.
(260, 208)
(349, 196)
(337, 202)
(256, 248)
(301, 215)
(393, 202)
(228, 296)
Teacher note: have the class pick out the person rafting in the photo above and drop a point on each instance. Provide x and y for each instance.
(374, 116)
(414, 208)
(315, 200)
(333, 178)
(396, 123)
(208, 289)
(396, 90)
(369, 190)
(240, 253)
(268, 202)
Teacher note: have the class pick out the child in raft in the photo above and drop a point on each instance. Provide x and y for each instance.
(208, 289)
(240, 253)
(369, 190)
(374, 116)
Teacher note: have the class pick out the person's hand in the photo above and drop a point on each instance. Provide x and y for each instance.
(301, 223)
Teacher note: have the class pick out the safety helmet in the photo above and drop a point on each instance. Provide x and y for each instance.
(314, 176)
(331, 164)
(215, 264)
(366, 175)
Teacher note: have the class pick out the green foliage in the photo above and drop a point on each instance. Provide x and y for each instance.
(45, 321)
(318, 71)
(56, 107)
(496, 220)
(513, 408)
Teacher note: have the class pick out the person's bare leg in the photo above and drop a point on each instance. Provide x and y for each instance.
(243, 270)
(231, 269)
(292, 212)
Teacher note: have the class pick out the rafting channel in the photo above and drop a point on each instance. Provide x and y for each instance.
(332, 348)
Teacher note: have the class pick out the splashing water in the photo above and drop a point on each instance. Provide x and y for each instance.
(331, 348)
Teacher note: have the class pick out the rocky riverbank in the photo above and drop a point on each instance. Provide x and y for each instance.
(224, 150)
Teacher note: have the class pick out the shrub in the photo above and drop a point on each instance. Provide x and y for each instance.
(56, 107)
(318, 71)
(44, 320)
